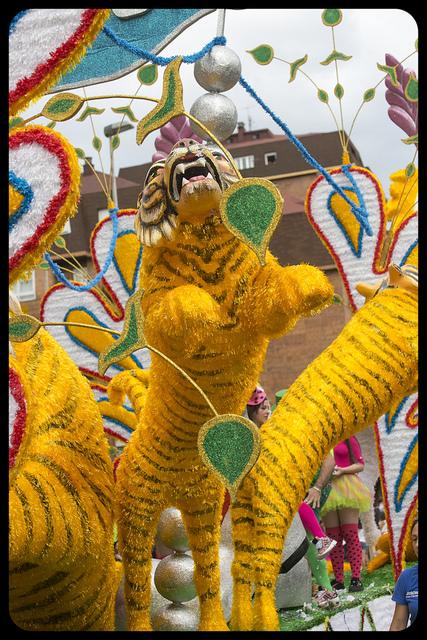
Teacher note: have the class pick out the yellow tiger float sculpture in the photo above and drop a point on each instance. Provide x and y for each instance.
(369, 367)
(211, 308)
(63, 575)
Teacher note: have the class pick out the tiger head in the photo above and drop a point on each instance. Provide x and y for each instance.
(188, 184)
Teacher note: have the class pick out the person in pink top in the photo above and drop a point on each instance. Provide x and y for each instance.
(348, 497)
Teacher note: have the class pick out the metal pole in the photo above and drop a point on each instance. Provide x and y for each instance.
(220, 23)
(113, 175)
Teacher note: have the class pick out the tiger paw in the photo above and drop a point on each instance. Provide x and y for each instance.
(189, 310)
(315, 292)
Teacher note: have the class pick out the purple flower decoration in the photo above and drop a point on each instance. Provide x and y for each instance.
(402, 111)
(175, 130)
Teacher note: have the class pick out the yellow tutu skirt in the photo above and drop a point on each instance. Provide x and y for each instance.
(348, 491)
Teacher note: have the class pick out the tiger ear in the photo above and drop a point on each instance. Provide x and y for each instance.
(366, 290)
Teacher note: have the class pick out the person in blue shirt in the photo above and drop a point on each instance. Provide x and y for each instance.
(406, 591)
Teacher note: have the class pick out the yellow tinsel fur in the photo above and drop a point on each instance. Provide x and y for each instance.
(61, 560)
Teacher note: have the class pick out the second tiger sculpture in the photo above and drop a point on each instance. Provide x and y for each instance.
(211, 308)
(62, 573)
(365, 371)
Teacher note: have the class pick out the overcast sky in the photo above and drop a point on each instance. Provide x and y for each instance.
(365, 34)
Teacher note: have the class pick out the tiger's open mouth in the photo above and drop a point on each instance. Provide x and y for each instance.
(191, 169)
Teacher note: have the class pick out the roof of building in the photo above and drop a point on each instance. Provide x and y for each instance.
(324, 147)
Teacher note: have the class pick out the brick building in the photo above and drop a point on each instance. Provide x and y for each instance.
(257, 153)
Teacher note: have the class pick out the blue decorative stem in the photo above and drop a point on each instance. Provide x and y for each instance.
(160, 60)
(360, 212)
(85, 287)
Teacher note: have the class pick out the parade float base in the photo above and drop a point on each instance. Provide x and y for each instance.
(375, 599)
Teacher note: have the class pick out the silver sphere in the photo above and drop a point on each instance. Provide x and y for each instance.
(171, 530)
(176, 617)
(174, 578)
(218, 70)
(217, 112)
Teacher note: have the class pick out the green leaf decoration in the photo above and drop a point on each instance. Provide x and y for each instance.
(335, 55)
(23, 327)
(60, 242)
(369, 95)
(148, 74)
(80, 153)
(391, 71)
(411, 89)
(62, 106)
(90, 111)
(410, 170)
(337, 299)
(339, 91)
(323, 96)
(115, 142)
(51, 125)
(127, 111)
(229, 445)
(43, 265)
(97, 143)
(251, 209)
(263, 54)
(411, 140)
(170, 105)
(331, 17)
(15, 122)
(132, 337)
(296, 65)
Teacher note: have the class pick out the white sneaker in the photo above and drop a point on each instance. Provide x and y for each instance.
(324, 546)
(327, 599)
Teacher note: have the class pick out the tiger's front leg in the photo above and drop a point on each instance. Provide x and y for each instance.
(185, 311)
(243, 520)
(139, 506)
(202, 519)
(281, 295)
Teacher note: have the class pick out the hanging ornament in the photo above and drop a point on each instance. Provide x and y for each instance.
(173, 577)
(217, 112)
(172, 531)
(176, 617)
(219, 70)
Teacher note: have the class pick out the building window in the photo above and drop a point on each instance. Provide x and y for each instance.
(25, 289)
(245, 162)
(270, 158)
(66, 229)
(102, 213)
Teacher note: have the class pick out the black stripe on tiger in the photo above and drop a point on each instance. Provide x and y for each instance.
(206, 253)
(35, 483)
(65, 481)
(362, 382)
(91, 456)
(387, 366)
(28, 519)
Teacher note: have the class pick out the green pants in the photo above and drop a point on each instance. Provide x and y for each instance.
(318, 567)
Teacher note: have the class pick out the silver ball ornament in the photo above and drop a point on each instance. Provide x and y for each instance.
(218, 70)
(217, 112)
(176, 617)
(171, 530)
(174, 578)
